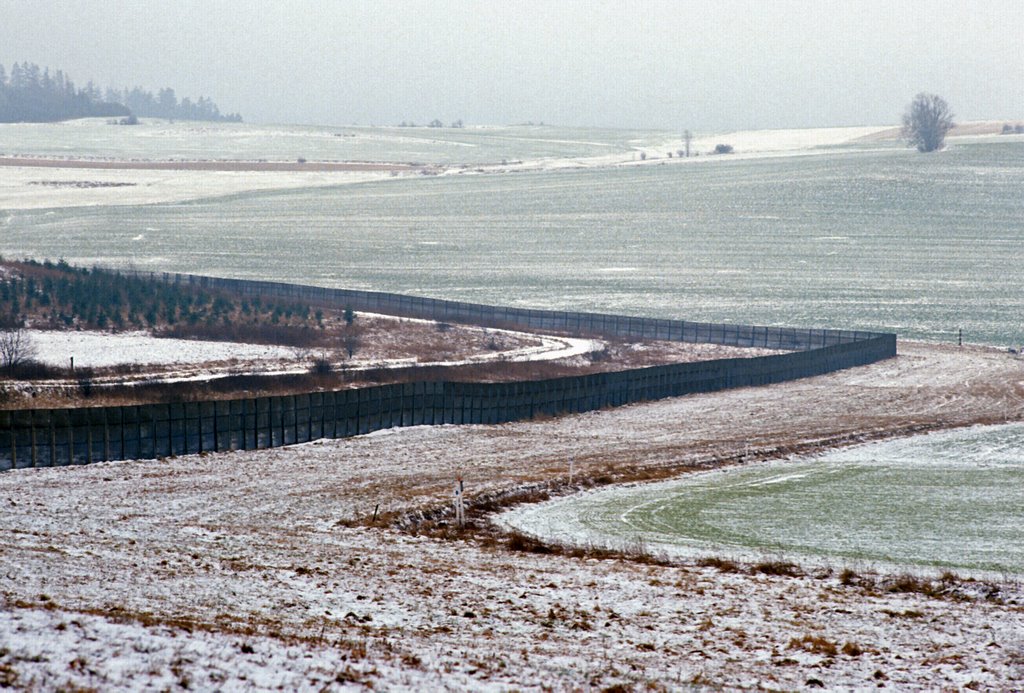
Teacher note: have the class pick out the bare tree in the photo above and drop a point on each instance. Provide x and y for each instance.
(16, 348)
(926, 122)
(687, 137)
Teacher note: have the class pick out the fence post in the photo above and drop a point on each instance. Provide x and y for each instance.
(460, 508)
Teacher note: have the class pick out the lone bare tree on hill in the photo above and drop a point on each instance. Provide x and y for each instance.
(926, 122)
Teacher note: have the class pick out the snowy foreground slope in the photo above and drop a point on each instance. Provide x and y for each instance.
(247, 571)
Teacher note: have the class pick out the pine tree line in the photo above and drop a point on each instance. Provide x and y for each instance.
(58, 295)
(32, 94)
(165, 104)
(36, 96)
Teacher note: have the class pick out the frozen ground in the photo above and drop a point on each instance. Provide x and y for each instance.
(176, 360)
(259, 570)
(70, 182)
(386, 342)
(746, 144)
(102, 350)
(45, 187)
(77, 178)
(24, 187)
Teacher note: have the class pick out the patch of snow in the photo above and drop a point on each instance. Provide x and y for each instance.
(21, 188)
(187, 360)
(101, 349)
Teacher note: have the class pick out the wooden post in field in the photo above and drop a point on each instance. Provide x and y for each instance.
(460, 508)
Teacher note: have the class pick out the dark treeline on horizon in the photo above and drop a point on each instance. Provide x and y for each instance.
(32, 95)
(165, 104)
(35, 95)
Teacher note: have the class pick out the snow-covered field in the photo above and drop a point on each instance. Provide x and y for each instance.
(746, 144)
(31, 187)
(261, 570)
(40, 188)
(209, 359)
(102, 349)
(56, 186)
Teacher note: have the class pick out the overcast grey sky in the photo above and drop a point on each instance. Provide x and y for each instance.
(713, 65)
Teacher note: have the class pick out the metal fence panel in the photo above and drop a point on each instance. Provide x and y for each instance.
(57, 437)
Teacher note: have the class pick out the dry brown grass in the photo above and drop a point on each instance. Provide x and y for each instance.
(906, 583)
(778, 567)
(848, 576)
(852, 649)
(523, 543)
(721, 564)
(248, 626)
(906, 613)
(814, 644)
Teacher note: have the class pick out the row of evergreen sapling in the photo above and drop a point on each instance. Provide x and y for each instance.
(60, 296)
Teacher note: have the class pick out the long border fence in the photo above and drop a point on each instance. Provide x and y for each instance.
(58, 437)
